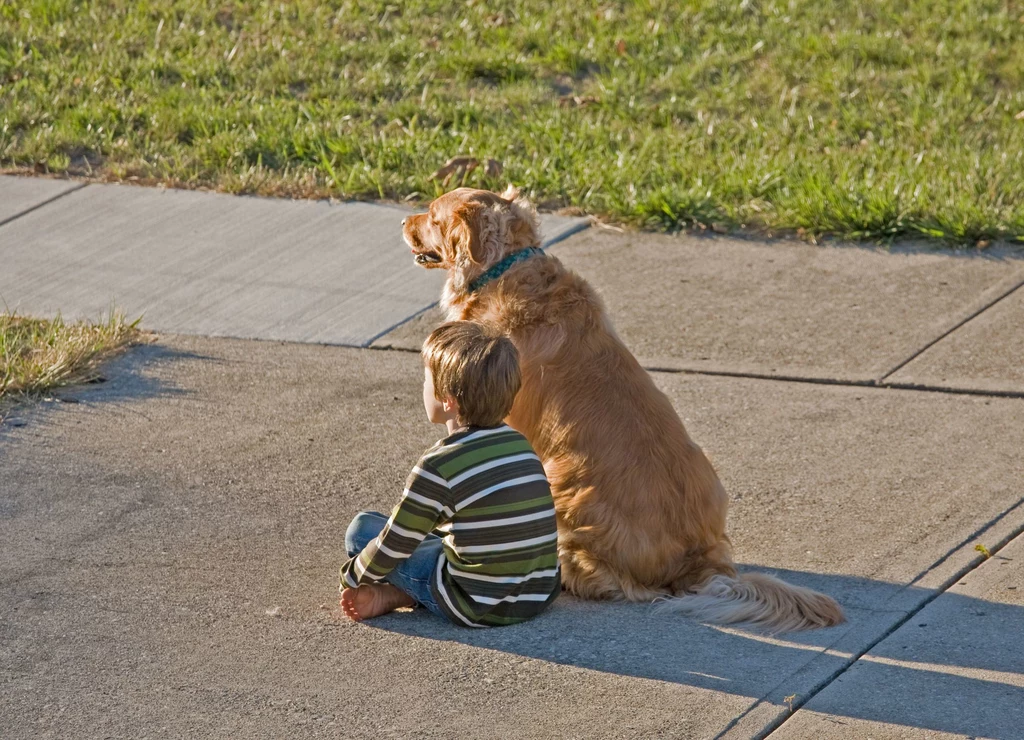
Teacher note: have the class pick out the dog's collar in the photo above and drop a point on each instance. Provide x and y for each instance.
(502, 267)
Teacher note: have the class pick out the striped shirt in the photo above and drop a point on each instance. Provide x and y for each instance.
(484, 490)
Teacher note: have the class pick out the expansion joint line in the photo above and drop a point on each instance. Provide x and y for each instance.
(952, 329)
(952, 580)
(46, 202)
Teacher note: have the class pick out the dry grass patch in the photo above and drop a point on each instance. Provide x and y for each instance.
(39, 355)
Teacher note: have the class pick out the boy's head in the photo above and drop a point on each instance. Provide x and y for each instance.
(471, 374)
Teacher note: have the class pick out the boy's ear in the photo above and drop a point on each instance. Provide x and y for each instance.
(449, 405)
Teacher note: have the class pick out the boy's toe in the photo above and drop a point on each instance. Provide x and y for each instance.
(348, 606)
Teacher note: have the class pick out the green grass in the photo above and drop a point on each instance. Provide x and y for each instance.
(872, 119)
(39, 355)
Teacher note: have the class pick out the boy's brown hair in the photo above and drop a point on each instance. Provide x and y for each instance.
(477, 367)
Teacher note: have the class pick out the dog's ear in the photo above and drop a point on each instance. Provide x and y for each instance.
(475, 232)
(464, 234)
(482, 231)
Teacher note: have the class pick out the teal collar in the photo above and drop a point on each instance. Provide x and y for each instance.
(502, 267)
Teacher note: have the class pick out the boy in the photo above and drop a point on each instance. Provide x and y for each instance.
(482, 487)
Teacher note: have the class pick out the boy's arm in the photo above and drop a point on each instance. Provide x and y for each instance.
(424, 504)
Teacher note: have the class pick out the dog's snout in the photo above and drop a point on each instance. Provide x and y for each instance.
(403, 222)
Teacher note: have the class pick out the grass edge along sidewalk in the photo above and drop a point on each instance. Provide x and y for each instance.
(871, 120)
(40, 355)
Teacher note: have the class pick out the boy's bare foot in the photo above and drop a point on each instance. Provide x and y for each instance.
(372, 600)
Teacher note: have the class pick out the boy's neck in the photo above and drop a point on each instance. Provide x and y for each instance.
(454, 425)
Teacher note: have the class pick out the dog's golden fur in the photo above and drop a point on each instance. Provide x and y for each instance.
(641, 512)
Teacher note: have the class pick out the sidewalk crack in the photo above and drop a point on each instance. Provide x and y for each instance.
(46, 202)
(925, 348)
(901, 386)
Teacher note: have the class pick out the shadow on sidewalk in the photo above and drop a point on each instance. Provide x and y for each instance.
(136, 375)
(908, 681)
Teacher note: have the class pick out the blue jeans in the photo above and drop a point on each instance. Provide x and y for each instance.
(413, 574)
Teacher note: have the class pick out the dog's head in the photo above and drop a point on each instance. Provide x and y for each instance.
(467, 231)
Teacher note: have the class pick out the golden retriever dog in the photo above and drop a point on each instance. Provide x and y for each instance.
(641, 512)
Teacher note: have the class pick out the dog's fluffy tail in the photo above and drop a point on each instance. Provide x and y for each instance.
(757, 600)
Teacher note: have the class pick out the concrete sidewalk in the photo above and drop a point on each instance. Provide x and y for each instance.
(216, 265)
(169, 539)
(954, 668)
(853, 314)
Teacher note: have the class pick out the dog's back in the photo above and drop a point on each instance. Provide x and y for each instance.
(639, 503)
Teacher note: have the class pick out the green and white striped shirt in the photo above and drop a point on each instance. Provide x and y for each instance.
(484, 490)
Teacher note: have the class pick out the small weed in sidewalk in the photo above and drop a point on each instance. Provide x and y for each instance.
(38, 355)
